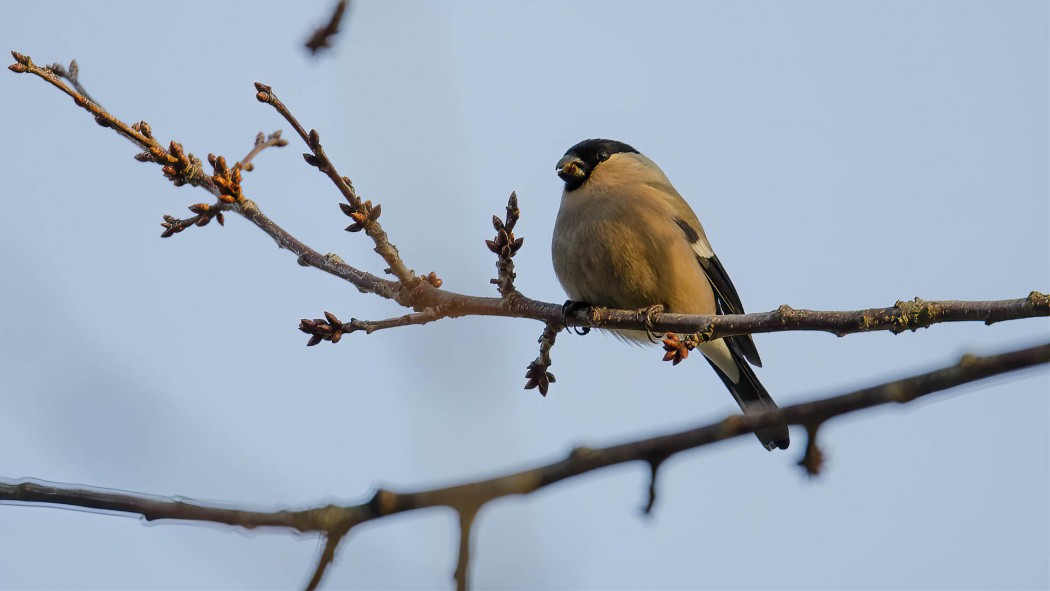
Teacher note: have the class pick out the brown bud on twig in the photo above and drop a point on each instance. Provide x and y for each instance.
(538, 377)
(264, 94)
(205, 213)
(226, 179)
(433, 279)
(329, 328)
(677, 350)
(143, 128)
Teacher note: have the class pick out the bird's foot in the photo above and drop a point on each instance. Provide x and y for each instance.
(570, 308)
(650, 319)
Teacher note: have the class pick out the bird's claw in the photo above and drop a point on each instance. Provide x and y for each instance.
(570, 308)
(650, 319)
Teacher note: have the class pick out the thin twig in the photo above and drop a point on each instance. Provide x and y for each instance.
(370, 216)
(274, 140)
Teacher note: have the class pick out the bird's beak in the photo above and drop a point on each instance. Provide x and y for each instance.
(570, 168)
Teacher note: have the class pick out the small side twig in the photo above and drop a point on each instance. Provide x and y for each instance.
(505, 245)
(331, 329)
(364, 214)
(274, 140)
(466, 521)
(327, 557)
(537, 374)
(655, 462)
(812, 461)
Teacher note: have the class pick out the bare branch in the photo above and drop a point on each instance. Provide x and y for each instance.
(424, 295)
(336, 521)
(364, 214)
(321, 38)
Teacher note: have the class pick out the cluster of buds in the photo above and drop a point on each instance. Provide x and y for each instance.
(328, 328)
(204, 215)
(675, 349)
(361, 212)
(537, 376)
(22, 63)
(179, 166)
(226, 179)
(505, 246)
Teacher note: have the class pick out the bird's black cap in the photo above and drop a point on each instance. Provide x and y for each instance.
(588, 154)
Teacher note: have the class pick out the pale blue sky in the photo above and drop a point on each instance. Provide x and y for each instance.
(840, 155)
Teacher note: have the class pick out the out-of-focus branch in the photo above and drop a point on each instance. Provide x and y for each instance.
(335, 521)
(322, 36)
(72, 74)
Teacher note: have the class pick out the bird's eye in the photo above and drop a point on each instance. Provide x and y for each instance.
(603, 156)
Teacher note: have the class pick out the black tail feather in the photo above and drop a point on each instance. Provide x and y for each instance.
(752, 397)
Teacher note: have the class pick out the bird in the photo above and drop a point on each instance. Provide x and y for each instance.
(625, 238)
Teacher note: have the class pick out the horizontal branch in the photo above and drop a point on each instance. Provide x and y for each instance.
(903, 316)
(335, 521)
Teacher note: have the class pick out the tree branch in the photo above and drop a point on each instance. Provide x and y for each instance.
(336, 521)
(422, 294)
(322, 36)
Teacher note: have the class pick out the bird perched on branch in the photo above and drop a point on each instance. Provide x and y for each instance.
(625, 238)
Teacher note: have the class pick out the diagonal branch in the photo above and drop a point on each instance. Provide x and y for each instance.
(336, 521)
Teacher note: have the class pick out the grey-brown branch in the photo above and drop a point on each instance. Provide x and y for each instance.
(423, 294)
(335, 521)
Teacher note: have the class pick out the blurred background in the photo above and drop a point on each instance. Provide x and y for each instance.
(841, 155)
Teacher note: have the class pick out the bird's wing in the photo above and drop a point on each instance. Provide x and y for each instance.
(726, 297)
(728, 302)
